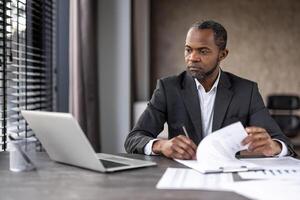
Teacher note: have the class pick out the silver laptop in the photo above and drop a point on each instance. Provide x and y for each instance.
(65, 142)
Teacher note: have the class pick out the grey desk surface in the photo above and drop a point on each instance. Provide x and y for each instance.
(57, 181)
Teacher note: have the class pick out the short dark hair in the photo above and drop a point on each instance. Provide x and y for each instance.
(220, 33)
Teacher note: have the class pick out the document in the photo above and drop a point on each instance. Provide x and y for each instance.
(225, 167)
(286, 162)
(272, 174)
(216, 152)
(222, 144)
(267, 189)
(274, 168)
(183, 178)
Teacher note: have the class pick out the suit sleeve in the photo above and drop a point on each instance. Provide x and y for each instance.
(259, 116)
(151, 122)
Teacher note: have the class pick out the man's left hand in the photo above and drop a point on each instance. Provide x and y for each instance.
(260, 142)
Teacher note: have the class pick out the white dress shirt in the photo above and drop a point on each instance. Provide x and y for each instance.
(207, 102)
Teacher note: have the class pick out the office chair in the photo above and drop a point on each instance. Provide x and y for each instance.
(282, 109)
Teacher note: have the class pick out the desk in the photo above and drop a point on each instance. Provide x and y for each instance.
(57, 181)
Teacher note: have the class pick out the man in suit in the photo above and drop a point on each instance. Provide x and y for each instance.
(204, 99)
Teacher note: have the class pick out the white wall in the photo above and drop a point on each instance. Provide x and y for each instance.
(114, 72)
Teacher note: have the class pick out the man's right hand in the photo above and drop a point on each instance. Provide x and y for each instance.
(180, 147)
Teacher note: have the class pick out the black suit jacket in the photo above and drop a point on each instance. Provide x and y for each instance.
(176, 101)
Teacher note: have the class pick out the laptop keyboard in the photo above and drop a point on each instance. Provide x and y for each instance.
(110, 164)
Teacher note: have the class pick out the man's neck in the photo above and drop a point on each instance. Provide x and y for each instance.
(208, 82)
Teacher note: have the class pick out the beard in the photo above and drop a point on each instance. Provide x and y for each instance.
(200, 74)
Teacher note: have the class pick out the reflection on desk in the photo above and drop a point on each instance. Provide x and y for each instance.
(57, 181)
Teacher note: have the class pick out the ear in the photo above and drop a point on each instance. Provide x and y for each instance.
(223, 54)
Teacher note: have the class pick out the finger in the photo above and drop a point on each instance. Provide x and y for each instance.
(254, 137)
(193, 145)
(255, 130)
(176, 149)
(187, 149)
(183, 149)
(257, 144)
(264, 150)
(177, 155)
(257, 137)
(188, 141)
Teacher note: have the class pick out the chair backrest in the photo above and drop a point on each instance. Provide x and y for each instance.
(287, 120)
(283, 102)
(138, 109)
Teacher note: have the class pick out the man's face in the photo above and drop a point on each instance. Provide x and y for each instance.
(202, 55)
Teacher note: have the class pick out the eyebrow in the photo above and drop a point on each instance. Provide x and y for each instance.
(200, 48)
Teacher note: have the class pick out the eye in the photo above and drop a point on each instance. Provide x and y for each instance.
(188, 50)
(204, 51)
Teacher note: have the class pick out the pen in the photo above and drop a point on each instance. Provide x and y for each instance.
(185, 132)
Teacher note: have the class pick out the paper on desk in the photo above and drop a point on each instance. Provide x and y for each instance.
(218, 149)
(194, 164)
(267, 189)
(275, 168)
(272, 174)
(286, 162)
(182, 178)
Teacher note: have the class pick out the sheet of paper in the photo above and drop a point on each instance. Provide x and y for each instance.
(222, 145)
(275, 162)
(275, 168)
(272, 174)
(194, 164)
(182, 178)
(267, 189)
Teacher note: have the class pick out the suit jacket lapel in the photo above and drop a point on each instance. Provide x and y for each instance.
(223, 98)
(191, 100)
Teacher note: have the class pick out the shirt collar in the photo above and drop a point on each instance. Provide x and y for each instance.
(215, 85)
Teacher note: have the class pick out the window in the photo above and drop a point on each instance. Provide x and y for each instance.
(26, 62)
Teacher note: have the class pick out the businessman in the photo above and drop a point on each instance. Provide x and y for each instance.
(204, 99)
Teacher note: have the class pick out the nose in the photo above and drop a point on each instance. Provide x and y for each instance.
(194, 57)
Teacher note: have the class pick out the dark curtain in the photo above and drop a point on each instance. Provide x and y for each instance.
(84, 104)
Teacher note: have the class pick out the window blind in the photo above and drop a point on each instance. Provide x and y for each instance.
(26, 63)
